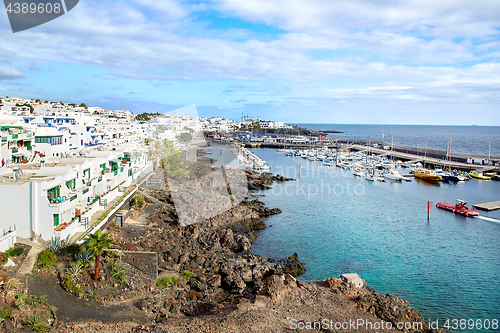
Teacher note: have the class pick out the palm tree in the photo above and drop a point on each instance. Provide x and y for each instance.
(96, 243)
(157, 152)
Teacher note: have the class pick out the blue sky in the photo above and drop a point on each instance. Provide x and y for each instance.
(322, 61)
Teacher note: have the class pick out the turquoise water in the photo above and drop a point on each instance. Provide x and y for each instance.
(447, 267)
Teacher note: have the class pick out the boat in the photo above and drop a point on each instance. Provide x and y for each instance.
(380, 179)
(427, 175)
(370, 178)
(394, 175)
(358, 173)
(444, 175)
(460, 207)
(456, 177)
(479, 175)
(328, 163)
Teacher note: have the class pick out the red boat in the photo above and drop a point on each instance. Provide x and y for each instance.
(458, 208)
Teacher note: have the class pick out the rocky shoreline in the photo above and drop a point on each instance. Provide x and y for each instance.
(211, 282)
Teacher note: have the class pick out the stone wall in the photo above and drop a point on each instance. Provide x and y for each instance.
(146, 262)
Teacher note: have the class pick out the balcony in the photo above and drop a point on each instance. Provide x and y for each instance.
(57, 200)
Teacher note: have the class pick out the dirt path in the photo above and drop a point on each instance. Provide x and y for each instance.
(72, 309)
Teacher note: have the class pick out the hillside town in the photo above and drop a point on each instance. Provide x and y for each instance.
(61, 163)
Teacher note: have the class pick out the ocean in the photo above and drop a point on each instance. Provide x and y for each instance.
(465, 139)
(447, 267)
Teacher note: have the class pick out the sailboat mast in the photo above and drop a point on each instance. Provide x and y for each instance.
(449, 165)
(489, 152)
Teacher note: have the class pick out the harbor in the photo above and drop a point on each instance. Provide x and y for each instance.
(380, 230)
(433, 158)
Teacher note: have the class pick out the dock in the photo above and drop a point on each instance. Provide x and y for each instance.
(488, 206)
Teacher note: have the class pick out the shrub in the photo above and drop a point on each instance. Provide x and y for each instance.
(46, 259)
(35, 301)
(75, 269)
(58, 245)
(20, 300)
(165, 281)
(12, 252)
(188, 274)
(70, 285)
(84, 257)
(74, 248)
(5, 312)
(36, 323)
(117, 272)
(15, 251)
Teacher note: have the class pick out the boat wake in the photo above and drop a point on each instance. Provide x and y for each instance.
(488, 219)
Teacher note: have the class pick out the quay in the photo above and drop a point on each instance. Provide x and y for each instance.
(488, 206)
(428, 157)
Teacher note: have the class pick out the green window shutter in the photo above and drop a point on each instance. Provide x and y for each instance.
(56, 220)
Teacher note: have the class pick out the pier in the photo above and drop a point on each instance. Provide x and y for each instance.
(428, 157)
(488, 206)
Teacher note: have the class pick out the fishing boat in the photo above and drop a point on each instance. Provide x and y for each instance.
(458, 208)
(479, 175)
(427, 175)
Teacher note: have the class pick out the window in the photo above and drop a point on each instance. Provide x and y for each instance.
(71, 184)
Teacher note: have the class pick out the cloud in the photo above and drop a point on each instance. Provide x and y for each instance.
(443, 18)
(8, 73)
(33, 67)
(324, 51)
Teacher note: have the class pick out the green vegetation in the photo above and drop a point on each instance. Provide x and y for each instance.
(186, 137)
(97, 243)
(75, 269)
(84, 105)
(12, 252)
(57, 245)
(35, 301)
(84, 257)
(143, 117)
(165, 281)
(137, 201)
(74, 249)
(46, 259)
(118, 273)
(69, 285)
(36, 323)
(188, 274)
(5, 312)
(28, 105)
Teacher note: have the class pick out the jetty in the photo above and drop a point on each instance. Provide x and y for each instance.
(428, 157)
(488, 206)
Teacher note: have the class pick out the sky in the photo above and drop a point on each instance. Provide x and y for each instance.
(298, 61)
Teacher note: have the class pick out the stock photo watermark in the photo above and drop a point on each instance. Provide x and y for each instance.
(25, 15)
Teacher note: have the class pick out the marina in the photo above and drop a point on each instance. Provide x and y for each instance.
(380, 231)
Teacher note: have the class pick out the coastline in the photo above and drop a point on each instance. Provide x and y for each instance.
(235, 290)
